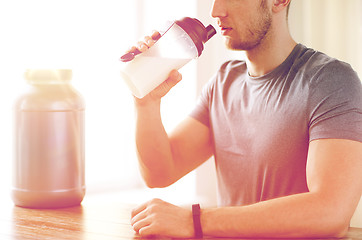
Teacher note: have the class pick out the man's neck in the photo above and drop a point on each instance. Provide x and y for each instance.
(272, 52)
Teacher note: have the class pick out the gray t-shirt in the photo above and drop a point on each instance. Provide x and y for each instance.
(261, 127)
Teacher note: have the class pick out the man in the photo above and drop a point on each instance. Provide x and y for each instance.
(284, 127)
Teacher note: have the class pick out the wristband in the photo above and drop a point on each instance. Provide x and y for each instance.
(196, 219)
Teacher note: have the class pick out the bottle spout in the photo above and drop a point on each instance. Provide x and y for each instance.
(211, 31)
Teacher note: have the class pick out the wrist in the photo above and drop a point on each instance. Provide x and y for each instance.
(146, 101)
(147, 107)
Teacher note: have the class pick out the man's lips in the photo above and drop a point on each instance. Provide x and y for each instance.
(225, 29)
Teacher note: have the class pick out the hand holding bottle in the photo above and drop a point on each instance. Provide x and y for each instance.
(173, 78)
(147, 66)
(142, 46)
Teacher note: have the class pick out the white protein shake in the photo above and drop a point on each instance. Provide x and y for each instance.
(147, 72)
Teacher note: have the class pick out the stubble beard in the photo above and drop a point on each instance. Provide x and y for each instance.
(256, 33)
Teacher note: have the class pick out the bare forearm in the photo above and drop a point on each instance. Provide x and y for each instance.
(153, 148)
(301, 215)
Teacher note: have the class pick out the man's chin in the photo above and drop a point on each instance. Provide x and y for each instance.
(229, 44)
(239, 46)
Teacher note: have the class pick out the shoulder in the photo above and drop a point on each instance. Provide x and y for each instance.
(318, 68)
(232, 67)
(324, 75)
(333, 96)
(229, 71)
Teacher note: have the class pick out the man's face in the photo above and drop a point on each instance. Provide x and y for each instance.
(244, 23)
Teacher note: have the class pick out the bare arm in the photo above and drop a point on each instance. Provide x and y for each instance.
(335, 186)
(334, 180)
(165, 158)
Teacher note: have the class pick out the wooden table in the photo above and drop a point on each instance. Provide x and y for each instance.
(90, 221)
(93, 220)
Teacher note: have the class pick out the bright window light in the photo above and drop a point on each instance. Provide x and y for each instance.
(88, 36)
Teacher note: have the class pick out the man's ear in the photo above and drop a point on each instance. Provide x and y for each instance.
(279, 5)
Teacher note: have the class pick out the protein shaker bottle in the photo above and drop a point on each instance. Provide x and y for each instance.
(48, 169)
(183, 41)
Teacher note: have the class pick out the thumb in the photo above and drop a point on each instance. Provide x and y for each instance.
(173, 78)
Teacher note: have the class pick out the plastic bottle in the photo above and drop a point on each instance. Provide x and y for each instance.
(183, 41)
(48, 169)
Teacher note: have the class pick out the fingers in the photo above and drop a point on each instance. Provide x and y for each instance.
(144, 229)
(140, 212)
(141, 46)
(155, 35)
(170, 82)
(138, 220)
(140, 223)
(157, 217)
(147, 42)
(142, 217)
(139, 209)
(161, 90)
(174, 78)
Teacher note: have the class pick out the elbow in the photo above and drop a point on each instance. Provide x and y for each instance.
(156, 181)
(335, 226)
(339, 219)
(339, 229)
(154, 184)
(334, 217)
(333, 222)
(326, 230)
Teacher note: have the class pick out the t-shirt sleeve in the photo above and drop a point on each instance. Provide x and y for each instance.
(335, 104)
(201, 110)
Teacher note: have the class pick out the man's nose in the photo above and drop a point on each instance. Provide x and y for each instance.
(218, 9)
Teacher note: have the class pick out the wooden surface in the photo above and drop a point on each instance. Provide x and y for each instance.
(93, 220)
(90, 221)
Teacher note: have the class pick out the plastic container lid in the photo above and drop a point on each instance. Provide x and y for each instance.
(39, 76)
(197, 31)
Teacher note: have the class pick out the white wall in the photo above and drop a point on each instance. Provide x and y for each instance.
(330, 26)
(89, 37)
